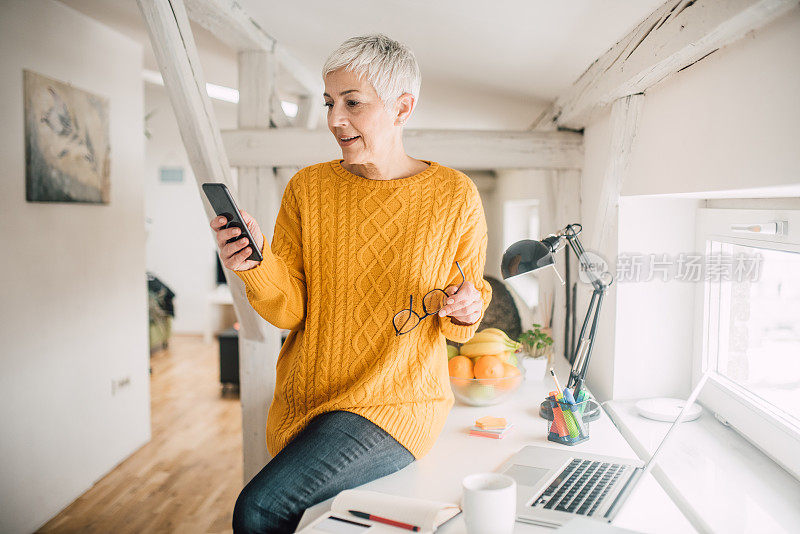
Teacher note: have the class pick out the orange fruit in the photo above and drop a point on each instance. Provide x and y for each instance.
(510, 370)
(460, 367)
(511, 378)
(489, 368)
(505, 356)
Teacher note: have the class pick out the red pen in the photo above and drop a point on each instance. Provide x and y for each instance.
(364, 515)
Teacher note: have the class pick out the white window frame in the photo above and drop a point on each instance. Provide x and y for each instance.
(761, 424)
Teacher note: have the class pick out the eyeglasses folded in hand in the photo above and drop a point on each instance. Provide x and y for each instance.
(434, 300)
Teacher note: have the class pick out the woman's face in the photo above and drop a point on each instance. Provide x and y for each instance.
(357, 119)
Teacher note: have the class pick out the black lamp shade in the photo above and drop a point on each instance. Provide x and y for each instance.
(524, 256)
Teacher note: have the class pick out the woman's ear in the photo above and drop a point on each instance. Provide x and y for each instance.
(403, 107)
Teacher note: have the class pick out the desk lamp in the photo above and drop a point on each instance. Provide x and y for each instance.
(529, 255)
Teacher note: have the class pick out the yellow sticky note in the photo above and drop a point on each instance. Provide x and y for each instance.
(489, 422)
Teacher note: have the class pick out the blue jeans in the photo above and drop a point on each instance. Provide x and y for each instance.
(336, 451)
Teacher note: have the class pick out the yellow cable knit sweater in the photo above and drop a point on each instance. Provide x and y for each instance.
(347, 252)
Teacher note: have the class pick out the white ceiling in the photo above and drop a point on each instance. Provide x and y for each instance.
(218, 60)
(517, 48)
(502, 56)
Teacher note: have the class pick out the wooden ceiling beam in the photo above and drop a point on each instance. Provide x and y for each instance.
(176, 54)
(673, 37)
(232, 25)
(462, 149)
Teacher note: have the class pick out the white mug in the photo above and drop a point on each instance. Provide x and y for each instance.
(489, 503)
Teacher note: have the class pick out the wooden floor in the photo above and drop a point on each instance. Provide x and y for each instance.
(187, 478)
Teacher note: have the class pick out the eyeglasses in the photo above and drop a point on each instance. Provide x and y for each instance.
(434, 300)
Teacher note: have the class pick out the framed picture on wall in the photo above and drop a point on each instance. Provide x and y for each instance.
(67, 149)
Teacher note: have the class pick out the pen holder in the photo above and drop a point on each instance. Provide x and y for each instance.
(568, 426)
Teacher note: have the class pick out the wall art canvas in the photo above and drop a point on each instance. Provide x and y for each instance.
(67, 150)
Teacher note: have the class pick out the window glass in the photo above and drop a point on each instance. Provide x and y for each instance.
(758, 318)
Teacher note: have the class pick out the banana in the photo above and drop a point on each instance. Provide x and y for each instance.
(496, 331)
(487, 337)
(507, 345)
(483, 348)
(499, 333)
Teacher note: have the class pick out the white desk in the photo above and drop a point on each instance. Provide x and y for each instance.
(456, 454)
(741, 491)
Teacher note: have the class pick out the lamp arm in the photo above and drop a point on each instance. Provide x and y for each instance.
(577, 366)
(585, 362)
(572, 237)
(555, 242)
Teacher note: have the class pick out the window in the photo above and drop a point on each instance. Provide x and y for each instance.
(748, 320)
(521, 221)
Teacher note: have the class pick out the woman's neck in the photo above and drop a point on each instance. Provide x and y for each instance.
(396, 165)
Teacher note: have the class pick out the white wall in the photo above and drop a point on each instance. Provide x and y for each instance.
(731, 121)
(469, 108)
(727, 126)
(655, 319)
(181, 250)
(74, 313)
(596, 156)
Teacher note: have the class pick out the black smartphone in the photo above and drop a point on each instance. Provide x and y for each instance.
(221, 200)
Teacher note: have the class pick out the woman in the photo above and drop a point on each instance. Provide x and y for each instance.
(360, 393)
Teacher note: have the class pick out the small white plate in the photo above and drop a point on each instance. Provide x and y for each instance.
(666, 409)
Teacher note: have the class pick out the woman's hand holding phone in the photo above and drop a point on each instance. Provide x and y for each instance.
(234, 255)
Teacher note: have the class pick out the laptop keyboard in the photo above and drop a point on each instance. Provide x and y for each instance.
(580, 487)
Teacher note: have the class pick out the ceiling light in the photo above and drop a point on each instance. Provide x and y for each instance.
(218, 92)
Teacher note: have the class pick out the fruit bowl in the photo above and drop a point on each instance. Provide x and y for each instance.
(486, 391)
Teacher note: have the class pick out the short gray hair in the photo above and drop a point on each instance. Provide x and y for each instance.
(388, 65)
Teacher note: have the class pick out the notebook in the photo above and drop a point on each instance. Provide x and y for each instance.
(425, 514)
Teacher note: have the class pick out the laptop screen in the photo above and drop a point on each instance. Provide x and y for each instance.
(681, 417)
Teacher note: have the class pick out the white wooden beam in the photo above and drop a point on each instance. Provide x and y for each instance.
(463, 149)
(175, 52)
(674, 36)
(256, 88)
(258, 192)
(279, 117)
(259, 195)
(625, 114)
(232, 25)
(307, 116)
(603, 234)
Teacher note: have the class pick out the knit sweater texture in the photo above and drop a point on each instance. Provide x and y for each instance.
(347, 253)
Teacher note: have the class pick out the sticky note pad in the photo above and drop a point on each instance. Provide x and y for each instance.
(489, 422)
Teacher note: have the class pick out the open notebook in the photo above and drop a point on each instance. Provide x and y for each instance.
(427, 515)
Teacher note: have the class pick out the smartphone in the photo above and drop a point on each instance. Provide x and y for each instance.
(221, 200)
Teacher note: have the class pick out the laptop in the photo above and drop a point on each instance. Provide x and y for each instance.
(554, 485)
